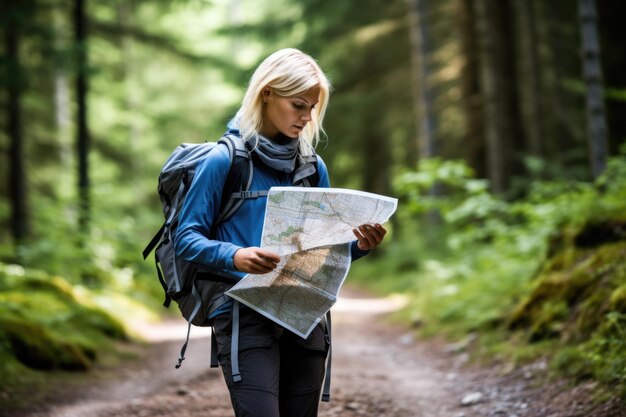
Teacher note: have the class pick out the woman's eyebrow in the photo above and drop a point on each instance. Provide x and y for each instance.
(305, 100)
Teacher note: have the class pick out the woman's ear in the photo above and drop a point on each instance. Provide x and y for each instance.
(265, 93)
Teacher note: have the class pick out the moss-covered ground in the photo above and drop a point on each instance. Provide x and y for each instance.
(50, 329)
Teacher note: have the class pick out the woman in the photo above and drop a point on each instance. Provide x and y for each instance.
(281, 120)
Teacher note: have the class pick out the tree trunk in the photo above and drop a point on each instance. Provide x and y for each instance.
(15, 83)
(62, 96)
(131, 102)
(471, 95)
(505, 143)
(423, 90)
(422, 84)
(557, 129)
(530, 80)
(376, 163)
(611, 17)
(82, 134)
(592, 75)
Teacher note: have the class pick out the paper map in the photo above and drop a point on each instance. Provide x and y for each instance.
(311, 230)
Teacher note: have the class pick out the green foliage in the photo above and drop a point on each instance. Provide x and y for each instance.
(546, 271)
(47, 324)
(601, 357)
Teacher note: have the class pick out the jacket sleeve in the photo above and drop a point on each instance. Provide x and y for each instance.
(198, 213)
(324, 181)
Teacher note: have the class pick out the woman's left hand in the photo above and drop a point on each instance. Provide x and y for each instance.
(369, 236)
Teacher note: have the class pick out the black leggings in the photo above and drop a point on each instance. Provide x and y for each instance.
(282, 374)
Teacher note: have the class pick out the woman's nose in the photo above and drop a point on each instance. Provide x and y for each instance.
(307, 115)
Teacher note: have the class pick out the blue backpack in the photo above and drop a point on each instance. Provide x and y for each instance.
(197, 292)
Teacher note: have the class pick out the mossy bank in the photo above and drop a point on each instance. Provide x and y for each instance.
(48, 328)
(578, 304)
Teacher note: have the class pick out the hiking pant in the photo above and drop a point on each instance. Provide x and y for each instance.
(281, 373)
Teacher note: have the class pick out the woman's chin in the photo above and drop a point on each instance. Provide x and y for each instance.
(294, 134)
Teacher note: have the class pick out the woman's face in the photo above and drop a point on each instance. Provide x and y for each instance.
(287, 115)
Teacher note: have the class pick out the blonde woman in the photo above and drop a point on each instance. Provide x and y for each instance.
(269, 371)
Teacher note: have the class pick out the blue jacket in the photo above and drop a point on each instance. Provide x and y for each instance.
(243, 229)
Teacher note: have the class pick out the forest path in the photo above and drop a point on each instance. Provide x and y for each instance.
(378, 370)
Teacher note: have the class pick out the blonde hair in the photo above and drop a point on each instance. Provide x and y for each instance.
(288, 72)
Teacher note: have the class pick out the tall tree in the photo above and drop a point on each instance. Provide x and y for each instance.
(426, 122)
(125, 14)
(592, 74)
(530, 78)
(62, 90)
(471, 94)
(82, 131)
(612, 38)
(370, 115)
(14, 16)
(498, 82)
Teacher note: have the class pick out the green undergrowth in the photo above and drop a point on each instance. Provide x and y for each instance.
(48, 326)
(578, 302)
(542, 276)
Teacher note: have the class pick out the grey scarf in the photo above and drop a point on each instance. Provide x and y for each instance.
(280, 154)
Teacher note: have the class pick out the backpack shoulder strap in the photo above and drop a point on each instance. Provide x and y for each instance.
(306, 173)
(238, 180)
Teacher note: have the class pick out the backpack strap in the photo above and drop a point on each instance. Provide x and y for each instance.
(234, 344)
(155, 240)
(327, 335)
(306, 173)
(214, 359)
(165, 228)
(164, 234)
(238, 180)
(157, 263)
(196, 308)
(243, 195)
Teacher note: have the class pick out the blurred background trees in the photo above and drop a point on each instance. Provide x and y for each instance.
(96, 95)
(502, 115)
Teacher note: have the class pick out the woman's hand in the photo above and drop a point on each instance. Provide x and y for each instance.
(255, 260)
(369, 236)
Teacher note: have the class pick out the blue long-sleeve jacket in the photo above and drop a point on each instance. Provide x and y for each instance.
(243, 229)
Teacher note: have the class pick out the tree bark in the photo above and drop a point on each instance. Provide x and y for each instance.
(82, 133)
(131, 102)
(471, 95)
(611, 17)
(592, 75)
(504, 137)
(15, 85)
(62, 95)
(376, 164)
(530, 79)
(422, 84)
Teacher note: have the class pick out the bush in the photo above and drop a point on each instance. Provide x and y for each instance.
(547, 269)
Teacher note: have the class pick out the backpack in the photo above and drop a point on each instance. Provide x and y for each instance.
(196, 291)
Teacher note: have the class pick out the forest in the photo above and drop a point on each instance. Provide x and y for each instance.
(500, 125)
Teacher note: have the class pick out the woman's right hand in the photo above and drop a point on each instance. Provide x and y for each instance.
(255, 260)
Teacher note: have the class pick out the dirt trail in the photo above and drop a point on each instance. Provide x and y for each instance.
(378, 370)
